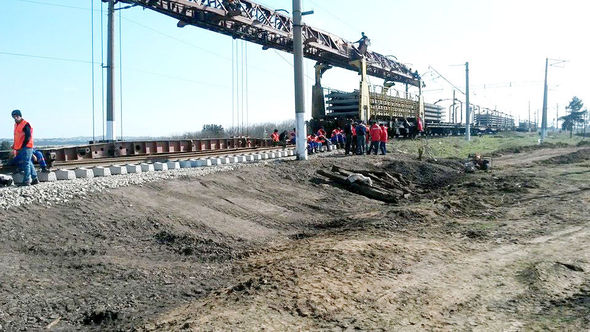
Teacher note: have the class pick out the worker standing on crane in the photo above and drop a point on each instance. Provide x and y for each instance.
(23, 147)
(364, 43)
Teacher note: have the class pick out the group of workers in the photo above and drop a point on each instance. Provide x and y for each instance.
(23, 151)
(362, 138)
(356, 138)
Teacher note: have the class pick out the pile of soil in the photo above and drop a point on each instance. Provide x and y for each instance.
(529, 148)
(570, 158)
(430, 174)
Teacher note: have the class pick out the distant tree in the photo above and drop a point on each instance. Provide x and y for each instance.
(212, 131)
(575, 117)
(5, 145)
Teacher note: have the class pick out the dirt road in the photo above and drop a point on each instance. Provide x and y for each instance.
(281, 248)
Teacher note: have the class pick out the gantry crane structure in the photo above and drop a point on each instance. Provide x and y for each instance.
(272, 29)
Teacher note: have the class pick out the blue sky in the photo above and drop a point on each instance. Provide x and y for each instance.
(175, 80)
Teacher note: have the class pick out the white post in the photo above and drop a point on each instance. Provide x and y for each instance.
(301, 130)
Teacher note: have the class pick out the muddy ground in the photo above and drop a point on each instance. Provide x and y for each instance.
(279, 247)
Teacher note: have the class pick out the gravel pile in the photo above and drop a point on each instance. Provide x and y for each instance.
(49, 193)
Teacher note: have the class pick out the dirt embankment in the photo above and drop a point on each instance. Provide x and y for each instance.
(283, 248)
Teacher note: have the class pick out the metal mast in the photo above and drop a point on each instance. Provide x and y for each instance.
(467, 106)
(111, 124)
(544, 116)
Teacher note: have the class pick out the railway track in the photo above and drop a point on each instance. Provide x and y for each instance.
(208, 158)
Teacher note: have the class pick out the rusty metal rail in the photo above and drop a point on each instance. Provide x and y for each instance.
(147, 151)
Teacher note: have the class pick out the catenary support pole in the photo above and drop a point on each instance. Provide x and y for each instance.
(544, 115)
(467, 105)
(111, 124)
(452, 117)
(301, 131)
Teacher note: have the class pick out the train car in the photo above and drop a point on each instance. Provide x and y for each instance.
(400, 112)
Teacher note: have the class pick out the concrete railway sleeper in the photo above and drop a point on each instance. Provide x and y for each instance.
(124, 165)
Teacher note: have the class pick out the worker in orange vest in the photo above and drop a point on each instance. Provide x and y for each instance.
(384, 137)
(23, 147)
(275, 137)
(375, 132)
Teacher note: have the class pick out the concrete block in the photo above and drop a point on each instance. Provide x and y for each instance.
(160, 166)
(272, 155)
(133, 169)
(17, 178)
(264, 155)
(257, 156)
(118, 170)
(233, 160)
(101, 171)
(145, 167)
(242, 159)
(202, 162)
(65, 174)
(290, 153)
(46, 176)
(186, 164)
(225, 160)
(84, 173)
(173, 165)
(215, 161)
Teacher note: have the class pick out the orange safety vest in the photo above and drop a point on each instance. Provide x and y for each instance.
(19, 135)
(275, 137)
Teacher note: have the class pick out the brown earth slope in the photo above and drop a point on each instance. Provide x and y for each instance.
(280, 247)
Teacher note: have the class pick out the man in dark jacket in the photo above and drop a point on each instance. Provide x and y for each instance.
(361, 131)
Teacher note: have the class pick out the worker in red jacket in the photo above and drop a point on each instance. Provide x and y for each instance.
(383, 141)
(275, 137)
(23, 147)
(375, 133)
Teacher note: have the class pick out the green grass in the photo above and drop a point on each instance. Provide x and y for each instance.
(448, 147)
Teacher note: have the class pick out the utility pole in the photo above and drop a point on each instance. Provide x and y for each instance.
(544, 116)
(453, 115)
(300, 127)
(557, 117)
(111, 124)
(467, 108)
(530, 116)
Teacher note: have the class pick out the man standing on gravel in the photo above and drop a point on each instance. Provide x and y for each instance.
(23, 145)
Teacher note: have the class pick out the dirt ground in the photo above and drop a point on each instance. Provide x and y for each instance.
(279, 247)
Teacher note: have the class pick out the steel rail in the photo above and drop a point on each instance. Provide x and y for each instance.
(73, 164)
